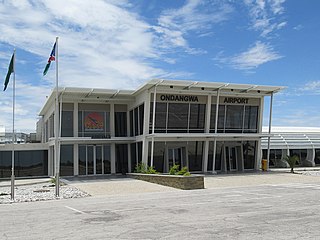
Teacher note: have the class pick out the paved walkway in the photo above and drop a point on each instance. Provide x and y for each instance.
(124, 186)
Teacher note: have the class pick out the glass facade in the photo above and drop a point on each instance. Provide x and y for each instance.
(178, 117)
(317, 156)
(136, 120)
(67, 124)
(27, 163)
(235, 119)
(66, 160)
(94, 124)
(120, 119)
(94, 159)
(121, 158)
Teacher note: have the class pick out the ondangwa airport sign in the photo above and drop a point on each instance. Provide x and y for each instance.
(236, 100)
(179, 98)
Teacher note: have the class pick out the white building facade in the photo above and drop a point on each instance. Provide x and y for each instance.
(206, 126)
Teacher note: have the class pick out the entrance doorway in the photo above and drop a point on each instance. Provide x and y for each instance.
(175, 155)
(90, 159)
(233, 157)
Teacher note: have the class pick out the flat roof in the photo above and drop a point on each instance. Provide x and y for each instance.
(99, 95)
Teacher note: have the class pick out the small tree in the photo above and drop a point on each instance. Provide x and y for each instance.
(292, 161)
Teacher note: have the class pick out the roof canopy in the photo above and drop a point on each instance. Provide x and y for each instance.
(97, 95)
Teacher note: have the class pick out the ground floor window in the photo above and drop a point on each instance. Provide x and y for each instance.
(167, 154)
(317, 156)
(27, 163)
(136, 154)
(232, 156)
(121, 158)
(66, 160)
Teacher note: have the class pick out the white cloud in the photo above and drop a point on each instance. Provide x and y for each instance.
(196, 16)
(312, 87)
(252, 58)
(265, 15)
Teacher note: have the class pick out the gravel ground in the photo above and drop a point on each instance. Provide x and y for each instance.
(39, 192)
(309, 173)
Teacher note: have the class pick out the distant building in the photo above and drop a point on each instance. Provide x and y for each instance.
(303, 142)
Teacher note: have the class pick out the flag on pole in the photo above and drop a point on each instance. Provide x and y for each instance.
(10, 70)
(51, 58)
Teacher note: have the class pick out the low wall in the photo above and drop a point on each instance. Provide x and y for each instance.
(176, 181)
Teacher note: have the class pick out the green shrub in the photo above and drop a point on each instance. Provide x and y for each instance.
(174, 169)
(141, 168)
(292, 161)
(183, 171)
(151, 170)
(144, 168)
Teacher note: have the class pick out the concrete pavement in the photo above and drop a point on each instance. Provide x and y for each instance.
(267, 211)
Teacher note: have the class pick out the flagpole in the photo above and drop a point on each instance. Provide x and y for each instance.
(13, 131)
(57, 152)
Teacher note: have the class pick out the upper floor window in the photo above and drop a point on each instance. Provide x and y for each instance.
(95, 124)
(178, 117)
(235, 118)
(137, 120)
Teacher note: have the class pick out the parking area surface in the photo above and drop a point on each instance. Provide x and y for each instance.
(287, 209)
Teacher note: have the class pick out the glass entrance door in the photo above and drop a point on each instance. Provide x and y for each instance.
(174, 157)
(90, 160)
(233, 157)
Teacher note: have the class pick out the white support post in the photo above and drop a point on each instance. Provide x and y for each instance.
(215, 131)
(113, 158)
(270, 119)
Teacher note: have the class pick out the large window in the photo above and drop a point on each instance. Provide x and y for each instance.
(136, 154)
(195, 156)
(178, 117)
(317, 156)
(94, 124)
(120, 119)
(301, 153)
(122, 158)
(66, 160)
(235, 119)
(249, 154)
(27, 163)
(67, 124)
(137, 120)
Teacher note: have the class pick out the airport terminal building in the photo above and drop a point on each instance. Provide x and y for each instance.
(208, 127)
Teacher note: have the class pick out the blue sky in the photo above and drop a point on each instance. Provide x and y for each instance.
(122, 44)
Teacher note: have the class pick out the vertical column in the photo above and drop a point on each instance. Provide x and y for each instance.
(270, 119)
(75, 159)
(75, 119)
(146, 114)
(215, 131)
(112, 126)
(207, 130)
(145, 151)
(258, 154)
(129, 158)
(50, 162)
(113, 158)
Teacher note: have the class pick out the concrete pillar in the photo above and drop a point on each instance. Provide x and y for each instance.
(113, 158)
(112, 124)
(145, 151)
(75, 119)
(76, 159)
(205, 156)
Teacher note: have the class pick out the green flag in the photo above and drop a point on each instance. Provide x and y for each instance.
(10, 70)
